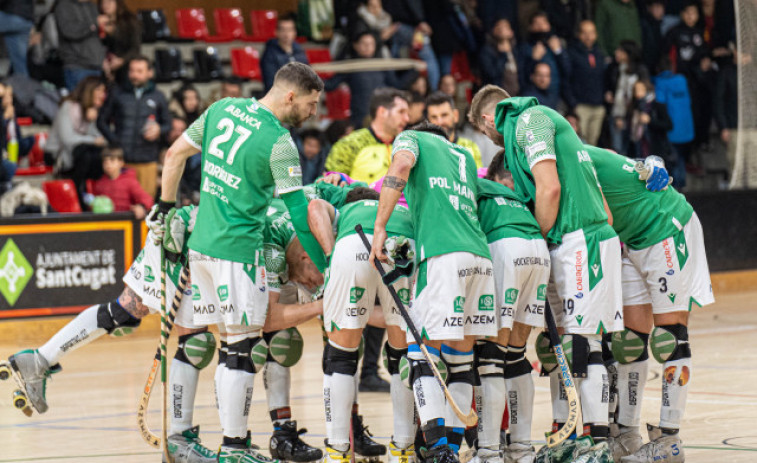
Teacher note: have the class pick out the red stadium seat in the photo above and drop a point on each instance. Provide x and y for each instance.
(338, 103)
(263, 25)
(62, 195)
(191, 23)
(229, 24)
(245, 63)
(460, 68)
(319, 55)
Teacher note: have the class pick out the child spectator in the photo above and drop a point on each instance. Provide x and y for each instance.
(121, 185)
(649, 125)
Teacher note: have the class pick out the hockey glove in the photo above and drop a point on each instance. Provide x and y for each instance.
(402, 255)
(175, 232)
(652, 170)
(156, 219)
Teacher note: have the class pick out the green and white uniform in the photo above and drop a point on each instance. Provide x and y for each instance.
(454, 292)
(352, 283)
(143, 276)
(519, 255)
(584, 249)
(246, 153)
(664, 260)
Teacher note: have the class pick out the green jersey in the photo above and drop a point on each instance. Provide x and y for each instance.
(364, 213)
(503, 215)
(640, 217)
(279, 233)
(534, 133)
(335, 195)
(246, 152)
(441, 192)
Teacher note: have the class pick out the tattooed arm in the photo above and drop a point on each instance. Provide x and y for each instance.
(391, 190)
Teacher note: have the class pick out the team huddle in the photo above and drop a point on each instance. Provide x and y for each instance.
(471, 261)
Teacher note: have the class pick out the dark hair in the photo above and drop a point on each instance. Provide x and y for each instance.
(537, 14)
(112, 152)
(497, 167)
(84, 92)
(439, 98)
(232, 80)
(360, 194)
(337, 129)
(416, 97)
(291, 16)
(384, 97)
(416, 76)
(428, 127)
(360, 34)
(302, 76)
(312, 133)
(140, 58)
(633, 51)
(123, 13)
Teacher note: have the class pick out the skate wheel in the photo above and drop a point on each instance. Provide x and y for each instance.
(5, 372)
(27, 411)
(19, 399)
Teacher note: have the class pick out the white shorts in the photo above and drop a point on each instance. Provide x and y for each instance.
(454, 297)
(143, 278)
(585, 287)
(352, 286)
(228, 293)
(672, 275)
(521, 274)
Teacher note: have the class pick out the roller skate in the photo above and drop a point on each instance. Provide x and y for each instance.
(333, 455)
(30, 371)
(487, 455)
(366, 449)
(519, 452)
(662, 447)
(624, 443)
(439, 454)
(398, 455)
(286, 444)
(186, 448)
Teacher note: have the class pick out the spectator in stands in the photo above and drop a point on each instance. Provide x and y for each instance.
(9, 127)
(16, 21)
(625, 70)
(372, 17)
(75, 144)
(726, 103)
(575, 123)
(135, 117)
(539, 86)
(413, 32)
(362, 84)
(687, 42)
(564, 15)
(365, 153)
(417, 109)
(651, 33)
(541, 45)
(498, 60)
(448, 85)
(121, 186)
(313, 153)
(186, 103)
(441, 111)
(281, 50)
(231, 87)
(649, 125)
(617, 20)
(80, 48)
(338, 130)
(586, 80)
(448, 18)
(419, 85)
(123, 38)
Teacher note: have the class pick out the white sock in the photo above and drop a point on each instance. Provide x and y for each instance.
(429, 398)
(77, 333)
(235, 394)
(493, 401)
(594, 393)
(340, 394)
(182, 387)
(404, 413)
(675, 386)
(277, 381)
(520, 394)
(560, 409)
(632, 378)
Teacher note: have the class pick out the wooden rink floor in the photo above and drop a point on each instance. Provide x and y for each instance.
(93, 402)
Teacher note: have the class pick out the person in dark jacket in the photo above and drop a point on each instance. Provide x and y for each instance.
(498, 59)
(584, 92)
(313, 152)
(16, 21)
(123, 38)
(135, 117)
(649, 125)
(542, 45)
(281, 50)
(726, 104)
(687, 42)
(540, 87)
(565, 14)
(414, 32)
(651, 33)
(80, 48)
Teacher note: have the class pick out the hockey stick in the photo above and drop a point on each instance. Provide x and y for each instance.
(567, 381)
(165, 331)
(471, 418)
(148, 435)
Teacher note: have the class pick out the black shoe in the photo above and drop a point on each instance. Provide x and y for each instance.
(364, 445)
(286, 444)
(373, 383)
(439, 454)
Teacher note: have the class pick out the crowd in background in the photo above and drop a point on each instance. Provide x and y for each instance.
(639, 77)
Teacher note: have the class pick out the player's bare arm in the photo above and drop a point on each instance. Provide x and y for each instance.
(320, 219)
(173, 167)
(394, 184)
(283, 316)
(607, 207)
(548, 189)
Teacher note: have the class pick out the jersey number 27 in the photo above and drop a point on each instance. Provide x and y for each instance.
(228, 129)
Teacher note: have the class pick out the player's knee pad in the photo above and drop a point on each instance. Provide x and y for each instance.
(337, 360)
(418, 366)
(580, 352)
(196, 349)
(392, 358)
(629, 346)
(115, 319)
(516, 363)
(247, 355)
(490, 359)
(545, 353)
(284, 346)
(670, 342)
(459, 365)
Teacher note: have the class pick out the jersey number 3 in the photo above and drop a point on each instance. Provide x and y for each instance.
(228, 130)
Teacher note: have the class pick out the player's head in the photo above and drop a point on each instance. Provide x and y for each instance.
(361, 194)
(140, 71)
(297, 88)
(428, 127)
(482, 108)
(497, 171)
(302, 270)
(440, 110)
(389, 110)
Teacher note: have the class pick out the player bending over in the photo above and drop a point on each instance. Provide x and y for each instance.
(555, 175)
(454, 292)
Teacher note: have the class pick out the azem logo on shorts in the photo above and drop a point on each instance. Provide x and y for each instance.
(356, 294)
(511, 295)
(541, 293)
(459, 304)
(223, 292)
(149, 275)
(195, 293)
(404, 295)
(486, 302)
(15, 272)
